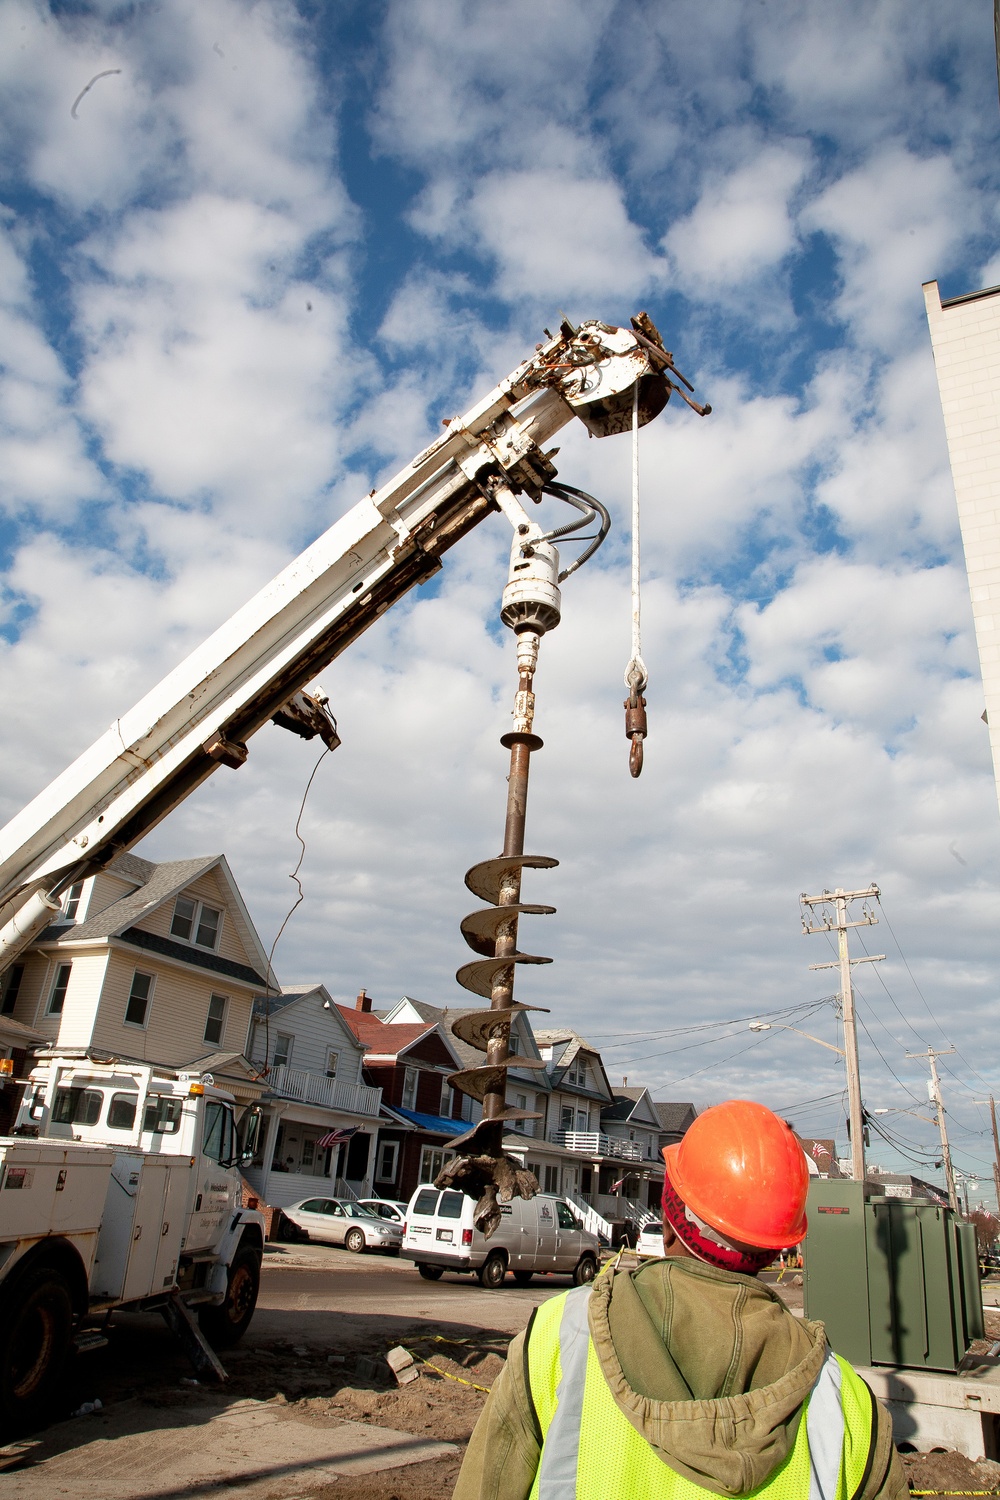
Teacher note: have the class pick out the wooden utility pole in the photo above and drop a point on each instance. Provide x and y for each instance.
(936, 1100)
(837, 921)
(996, 1150)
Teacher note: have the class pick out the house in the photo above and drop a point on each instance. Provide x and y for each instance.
(821, 1156)
(580, 1093)
(151, 962)
(410, 1062)
(674, 1119)
(320, 1115)
(633, 1120)
(527, 1089)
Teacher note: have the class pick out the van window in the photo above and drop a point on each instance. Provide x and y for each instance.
(121, 1111)
(77, 1106)
(450, 1206)
(566, 1219)
(162, 1115)
(426, 1202)
(218, 1144)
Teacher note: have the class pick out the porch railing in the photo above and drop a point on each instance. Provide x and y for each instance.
(313, 1088)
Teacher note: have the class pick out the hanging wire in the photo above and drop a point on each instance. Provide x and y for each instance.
(272, 982)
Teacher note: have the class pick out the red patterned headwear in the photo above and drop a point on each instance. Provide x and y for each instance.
(713, 1251)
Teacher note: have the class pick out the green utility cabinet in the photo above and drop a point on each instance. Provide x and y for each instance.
(895, 1280)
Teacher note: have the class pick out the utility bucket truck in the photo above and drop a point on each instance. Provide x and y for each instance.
(119, 1188)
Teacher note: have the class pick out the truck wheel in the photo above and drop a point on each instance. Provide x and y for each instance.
(226, 1325)
(586, 1270)
(354, 1240)
(523, 1277)
(36, 1326)
(431, 1273)
(492, 1271)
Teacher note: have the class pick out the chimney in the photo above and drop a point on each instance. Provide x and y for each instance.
(363, 1002)
(624, 1083)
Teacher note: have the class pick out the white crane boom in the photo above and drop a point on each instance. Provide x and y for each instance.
(255, 666)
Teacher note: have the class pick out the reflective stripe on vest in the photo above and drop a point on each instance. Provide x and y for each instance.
(591, 1451)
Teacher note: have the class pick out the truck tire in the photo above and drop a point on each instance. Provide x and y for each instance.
(431, 1273)
(224, 1326)
(523, 1278)
(493, 1270)
(586, 1270)
(354, 1241)
(36, 1329)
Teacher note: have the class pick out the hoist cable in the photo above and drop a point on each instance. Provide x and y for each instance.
(635, 673)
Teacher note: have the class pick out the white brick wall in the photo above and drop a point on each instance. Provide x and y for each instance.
(966, 343)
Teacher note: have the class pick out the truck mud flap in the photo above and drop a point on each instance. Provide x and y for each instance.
(181, 1321)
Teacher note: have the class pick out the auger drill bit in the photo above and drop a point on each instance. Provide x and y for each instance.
(531, 606)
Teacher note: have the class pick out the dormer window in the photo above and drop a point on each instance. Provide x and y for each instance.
(194, 922)
(71, 900)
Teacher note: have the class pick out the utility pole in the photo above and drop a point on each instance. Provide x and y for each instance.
(837, 921)
(935, 1093)
(996, 1150)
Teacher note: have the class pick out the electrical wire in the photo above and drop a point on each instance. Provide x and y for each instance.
(272, 982)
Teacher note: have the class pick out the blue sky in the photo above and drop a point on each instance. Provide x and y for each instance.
(244, 276)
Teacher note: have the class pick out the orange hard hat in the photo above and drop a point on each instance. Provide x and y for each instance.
(741, 1169)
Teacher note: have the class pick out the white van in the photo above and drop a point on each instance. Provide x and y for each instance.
(540, 1234)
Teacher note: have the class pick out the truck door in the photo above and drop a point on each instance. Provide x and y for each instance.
(215, 1198)
(545, 1254)
(568, 1240)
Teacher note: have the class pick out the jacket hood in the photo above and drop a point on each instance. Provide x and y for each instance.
(709, 1367)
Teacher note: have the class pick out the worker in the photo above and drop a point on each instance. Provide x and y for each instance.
(689, 1374)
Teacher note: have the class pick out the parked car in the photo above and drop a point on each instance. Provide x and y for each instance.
(335, 1221)
(386, 1208)
(535, 1235)
(650, 1241)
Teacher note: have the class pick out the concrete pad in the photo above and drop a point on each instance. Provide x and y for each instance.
(931, 1409)
(152, 1454)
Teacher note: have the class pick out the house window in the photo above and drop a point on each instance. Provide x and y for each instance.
(57, 999)
(566, 1117)
(552, 1179)
(215, 1024)
(410, 1076)
(514, 1044)
(282, 1050)
(196, 923)
(308, 1154)
(582, 1120)
(332, 1060)
(388, 1155)
(71, 902)
(447, 1099)
(10, 988)
(432, 1159)
(137, 1008)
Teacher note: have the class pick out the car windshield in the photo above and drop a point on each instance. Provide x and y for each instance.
(358, 1211)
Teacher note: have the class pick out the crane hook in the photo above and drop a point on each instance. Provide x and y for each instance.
(636, 729)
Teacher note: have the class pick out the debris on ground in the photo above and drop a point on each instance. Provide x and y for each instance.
(949, 1473)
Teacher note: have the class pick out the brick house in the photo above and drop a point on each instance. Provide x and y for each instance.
(410, 1063)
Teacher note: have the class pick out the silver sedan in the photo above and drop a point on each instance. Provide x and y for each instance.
(336, 1221)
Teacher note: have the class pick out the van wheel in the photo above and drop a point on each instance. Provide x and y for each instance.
(224, 1326)
(585, 1272)
(431, 1273)
(492, 1271)
(36, 1319)
(523, 1277)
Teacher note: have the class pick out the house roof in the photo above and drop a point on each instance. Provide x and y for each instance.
(443, 1016)
(379, 1039)
(571, 1043)
(154, 885)
(16, 1035)
(675, 1117)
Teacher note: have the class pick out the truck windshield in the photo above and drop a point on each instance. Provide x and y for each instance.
(77, 1106)
(163, 1115)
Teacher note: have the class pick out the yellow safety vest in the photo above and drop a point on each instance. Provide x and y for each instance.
(590, 1450)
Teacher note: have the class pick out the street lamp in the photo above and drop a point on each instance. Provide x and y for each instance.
(767, 1026)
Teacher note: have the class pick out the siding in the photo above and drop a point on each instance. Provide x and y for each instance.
(82, 997)
(174, 1033)
(101, 892)
(33, 987)
(208, 888)
(315, 1031)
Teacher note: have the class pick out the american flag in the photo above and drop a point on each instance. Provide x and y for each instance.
(334, 1137)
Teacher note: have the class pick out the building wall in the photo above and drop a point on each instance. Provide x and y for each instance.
(966, 343)
(314, 1031)
(174, 1032)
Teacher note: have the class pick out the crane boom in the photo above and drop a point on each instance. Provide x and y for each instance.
(254, 667)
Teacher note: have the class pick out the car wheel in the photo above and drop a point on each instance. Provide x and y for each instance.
(36, 1326)
(492, 1271)
(585, 1272)
(354, 1240)
(431, 1273)
(224, 1326)
(523, 1277)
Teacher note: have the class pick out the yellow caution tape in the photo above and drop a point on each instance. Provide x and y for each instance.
(447, 1373)
(955, 1492)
